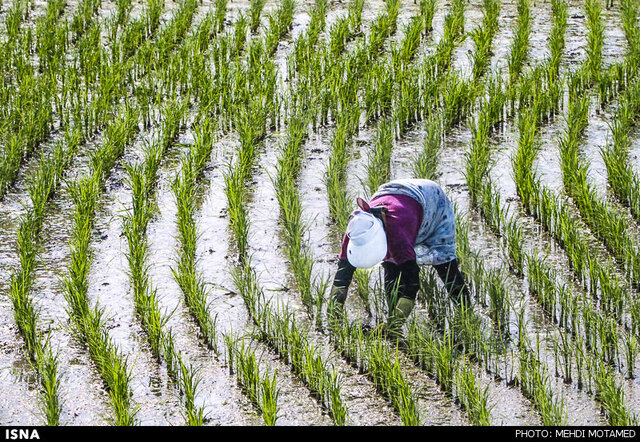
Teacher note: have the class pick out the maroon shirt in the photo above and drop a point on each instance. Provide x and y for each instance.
(404, 216)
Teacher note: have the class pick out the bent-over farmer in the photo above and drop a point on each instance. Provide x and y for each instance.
(406, 223)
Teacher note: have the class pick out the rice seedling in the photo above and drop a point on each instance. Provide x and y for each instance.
(427, 11)
(378, 166)
(279, 329)
(595, 37)
(220, 14)
(255, 11)
(89, 323)
(262, 389)
(472, 396)
(427, 160)
(185, 188)
(373, 356)
(483, 37)
(41, 188)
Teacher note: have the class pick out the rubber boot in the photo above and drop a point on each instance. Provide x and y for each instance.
(398, 317)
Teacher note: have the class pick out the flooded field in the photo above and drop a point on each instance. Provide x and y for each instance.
(176, 178)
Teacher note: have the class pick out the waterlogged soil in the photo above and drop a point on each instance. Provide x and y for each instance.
(86, 401)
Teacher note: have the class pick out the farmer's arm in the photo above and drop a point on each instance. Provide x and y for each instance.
(343, 276)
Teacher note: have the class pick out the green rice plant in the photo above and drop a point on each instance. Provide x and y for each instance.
(372, 356)
(457, 97)
(483, 37)
(534, 382)
(254, 13)
(426, 161)
(362, 280)
(262, 389)
(220, 14)
(474, 399)
(611, 397)
(595, 40)
(427, 11)
(89, 323)
(340, 205)
(560, 15)
(410, 42)
(290, 207)
(185, 188)
(624, 182)
(41, 187)
(279, 329)
(520, 44)
(630, 352)
(280, 24)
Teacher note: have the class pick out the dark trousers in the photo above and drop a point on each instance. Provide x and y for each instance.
(453, 280)
(404, 280)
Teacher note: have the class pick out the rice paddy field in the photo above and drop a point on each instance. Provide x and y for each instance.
(176, 177)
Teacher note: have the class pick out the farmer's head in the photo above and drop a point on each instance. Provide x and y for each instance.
(367, 238)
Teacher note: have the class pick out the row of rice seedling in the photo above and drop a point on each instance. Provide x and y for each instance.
(142, 178)
(288, 169)
(89, 323)
(605, 222)
(489, 347)
(483, 35)
(312, 370)
(399, 107)
(623, 179)
(186, 274)
(186, 187)
(262, 389)
(41, 188)
(246, 110)
(278, 328)
(619, 74)
(436, 350)
(520, 43)
(280, 24)
(595, 39)
(29, 114)
(372, 355)
(620, 174)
